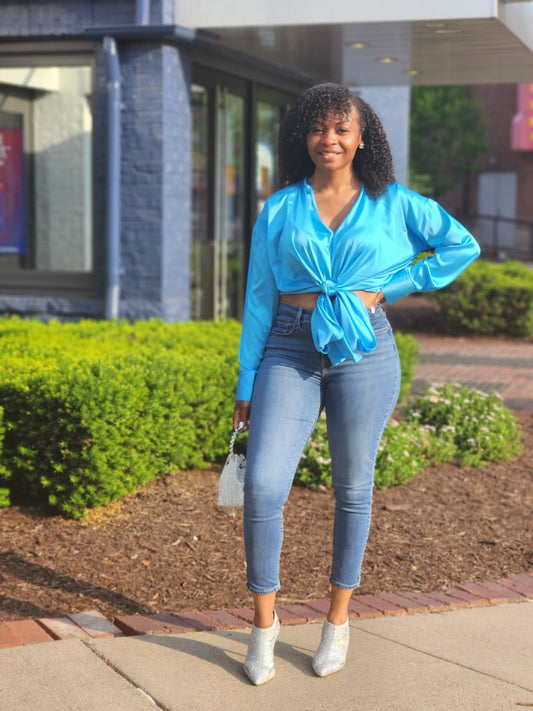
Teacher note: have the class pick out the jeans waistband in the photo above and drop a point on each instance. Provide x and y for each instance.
(304, 315)
(296, 312)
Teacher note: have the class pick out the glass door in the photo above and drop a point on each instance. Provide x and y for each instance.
(229, 220)
(235, 134)
(266, 146)
(218, 202)
(202, 241)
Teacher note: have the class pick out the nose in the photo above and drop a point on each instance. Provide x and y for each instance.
(329, 135)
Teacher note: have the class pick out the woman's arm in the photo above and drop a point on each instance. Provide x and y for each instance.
(454, 249)
(260, 307)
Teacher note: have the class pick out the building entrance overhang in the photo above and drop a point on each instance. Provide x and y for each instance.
(385, 43)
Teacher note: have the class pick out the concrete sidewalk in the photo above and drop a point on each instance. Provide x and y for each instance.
(474, 659)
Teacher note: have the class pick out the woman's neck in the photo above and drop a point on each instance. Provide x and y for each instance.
(334, 197)
(334, 181)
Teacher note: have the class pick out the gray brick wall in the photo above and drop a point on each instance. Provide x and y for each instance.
(70, 17)
(156, 181)
(156, 158)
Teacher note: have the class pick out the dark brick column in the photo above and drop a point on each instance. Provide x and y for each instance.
(156, 181)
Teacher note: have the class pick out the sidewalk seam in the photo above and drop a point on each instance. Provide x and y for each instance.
(444, 659)
(116, 670)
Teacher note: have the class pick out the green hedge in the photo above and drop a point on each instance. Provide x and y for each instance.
(487, 299)
(94, 410)
(408, 352)
(5, 498)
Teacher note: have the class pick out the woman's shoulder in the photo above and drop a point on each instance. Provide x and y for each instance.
(286, 193)
(396, 192)
(281, 200)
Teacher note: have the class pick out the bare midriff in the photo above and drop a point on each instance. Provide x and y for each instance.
(308, 301)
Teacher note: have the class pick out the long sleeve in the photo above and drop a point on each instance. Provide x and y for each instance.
(260, 307)
(434, 229)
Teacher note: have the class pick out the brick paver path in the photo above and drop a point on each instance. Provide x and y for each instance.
(486, 364)
(92, 624)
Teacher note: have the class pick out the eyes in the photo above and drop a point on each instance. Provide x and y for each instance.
(317, 130)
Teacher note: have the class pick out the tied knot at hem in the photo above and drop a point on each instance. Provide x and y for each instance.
(329, 288)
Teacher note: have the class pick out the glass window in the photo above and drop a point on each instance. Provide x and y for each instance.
(201, 273)
(266, 152)
(235, 169)
(230, 259)
(218, 203)
(46, 168)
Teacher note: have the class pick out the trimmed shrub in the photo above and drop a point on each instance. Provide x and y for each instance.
(95, 409)
(447, 422)
(408, 353)
(406, 449)
(5, 499)
(478, 425)
(488, 298)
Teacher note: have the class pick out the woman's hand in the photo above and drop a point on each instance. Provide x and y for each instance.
(241, 415)
(379, 299)
(370, 298)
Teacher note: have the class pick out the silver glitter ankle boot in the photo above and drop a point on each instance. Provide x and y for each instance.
(259, 664)
(330, 656)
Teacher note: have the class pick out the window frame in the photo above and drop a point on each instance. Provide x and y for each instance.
(56, 283)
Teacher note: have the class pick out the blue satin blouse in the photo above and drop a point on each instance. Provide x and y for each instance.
(373, 249)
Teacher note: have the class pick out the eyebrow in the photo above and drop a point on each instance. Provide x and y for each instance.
(338, 121)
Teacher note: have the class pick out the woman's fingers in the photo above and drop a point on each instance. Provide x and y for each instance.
(241, 415)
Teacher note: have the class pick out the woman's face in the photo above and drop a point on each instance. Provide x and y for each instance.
(333, 143)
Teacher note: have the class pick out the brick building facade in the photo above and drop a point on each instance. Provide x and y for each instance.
(502, 185)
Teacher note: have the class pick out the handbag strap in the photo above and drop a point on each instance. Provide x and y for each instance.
(233, 438)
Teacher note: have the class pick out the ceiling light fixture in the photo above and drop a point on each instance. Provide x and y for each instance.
(449, 31)
(357, 45)
(387, 60)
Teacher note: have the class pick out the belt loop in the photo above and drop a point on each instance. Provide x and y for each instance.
(299, 317)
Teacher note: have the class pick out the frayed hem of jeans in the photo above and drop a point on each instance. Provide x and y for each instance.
(341, 586)
(263, 592)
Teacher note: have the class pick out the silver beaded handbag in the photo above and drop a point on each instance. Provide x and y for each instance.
(231, 482)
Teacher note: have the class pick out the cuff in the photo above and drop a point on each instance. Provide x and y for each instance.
(245, 384)
(399, 286)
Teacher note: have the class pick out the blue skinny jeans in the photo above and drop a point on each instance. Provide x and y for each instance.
(294, 383)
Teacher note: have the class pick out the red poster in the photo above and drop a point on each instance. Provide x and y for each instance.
(522, 127)
(12, 212)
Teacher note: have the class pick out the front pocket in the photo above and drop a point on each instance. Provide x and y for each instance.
(379, 321)
(283, 326)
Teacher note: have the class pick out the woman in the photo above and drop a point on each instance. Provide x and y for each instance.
(327, 250)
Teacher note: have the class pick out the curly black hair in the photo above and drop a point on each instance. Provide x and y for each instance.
(372, 164)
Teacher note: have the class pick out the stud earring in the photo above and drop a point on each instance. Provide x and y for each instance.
(361, 145)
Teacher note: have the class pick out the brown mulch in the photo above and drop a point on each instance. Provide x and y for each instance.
(169, 548)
